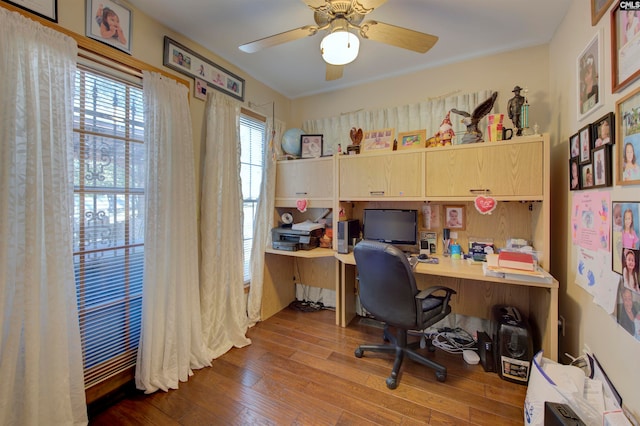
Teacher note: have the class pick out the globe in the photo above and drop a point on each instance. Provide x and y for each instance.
(291, 141)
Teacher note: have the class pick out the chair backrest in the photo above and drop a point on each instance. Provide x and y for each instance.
(387, 284)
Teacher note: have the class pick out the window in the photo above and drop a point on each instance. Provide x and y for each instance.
(252, 140)
(108, 222)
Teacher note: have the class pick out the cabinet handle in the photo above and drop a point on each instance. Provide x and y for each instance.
(376, 193)
(480, 191)
(301, 193)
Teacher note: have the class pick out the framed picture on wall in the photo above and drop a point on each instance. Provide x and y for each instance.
(598, 9)
(110, 23)
(574, 174)
(574, 145)
(589, 69)
(587, 176)
(603, 130)
(625, 231)
(628, 131)
(601, 166)
(625, 47)
(585, 144)
(47, 9)
(455, 218)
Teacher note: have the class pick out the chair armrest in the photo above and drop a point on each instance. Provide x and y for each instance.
(429, 292)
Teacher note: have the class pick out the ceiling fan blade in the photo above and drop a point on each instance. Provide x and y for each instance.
(368, 5)
(274, 40)
(334, 72)
(397, 36)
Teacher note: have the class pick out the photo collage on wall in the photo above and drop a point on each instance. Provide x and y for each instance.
(590, 154)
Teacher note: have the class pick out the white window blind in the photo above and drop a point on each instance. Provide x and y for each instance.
(252, 139)
(108, 223)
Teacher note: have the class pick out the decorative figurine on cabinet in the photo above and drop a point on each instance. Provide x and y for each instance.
(356, 137)
(514, 107)
(445, 133)
(473, 133)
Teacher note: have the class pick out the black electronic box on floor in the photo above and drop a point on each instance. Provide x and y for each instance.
(513, 344)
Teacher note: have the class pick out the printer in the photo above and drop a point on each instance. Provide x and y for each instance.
(299, 236)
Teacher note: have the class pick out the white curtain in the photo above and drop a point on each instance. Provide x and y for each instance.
(224, 313)
(171, 343)
(264, 220)
(41, 374)
(426, 114)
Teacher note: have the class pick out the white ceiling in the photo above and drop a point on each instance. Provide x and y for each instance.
(466, 28)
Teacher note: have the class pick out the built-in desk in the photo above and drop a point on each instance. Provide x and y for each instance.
(476, 295)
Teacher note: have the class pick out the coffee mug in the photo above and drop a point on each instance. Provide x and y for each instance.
(507, 134)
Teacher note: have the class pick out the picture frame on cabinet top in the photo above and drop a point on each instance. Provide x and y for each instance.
(411, 140)
(377, 140)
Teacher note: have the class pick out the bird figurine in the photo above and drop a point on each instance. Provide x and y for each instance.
(473, 133)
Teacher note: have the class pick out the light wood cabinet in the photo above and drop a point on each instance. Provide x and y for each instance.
(505, 169)
(381, 176)
(309, 178)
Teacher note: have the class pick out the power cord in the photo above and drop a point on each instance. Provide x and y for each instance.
(453, 340)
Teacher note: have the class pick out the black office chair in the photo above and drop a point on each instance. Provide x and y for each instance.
(388, 292)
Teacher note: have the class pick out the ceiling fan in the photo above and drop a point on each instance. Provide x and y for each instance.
(343, 19)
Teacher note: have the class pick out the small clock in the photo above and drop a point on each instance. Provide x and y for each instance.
(287, 218)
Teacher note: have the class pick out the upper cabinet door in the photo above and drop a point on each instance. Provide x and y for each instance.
(310, 178)
(507, 169)
(368, 176)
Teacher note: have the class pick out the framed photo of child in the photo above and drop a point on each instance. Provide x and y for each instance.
(602, 130)
(585, 144)
(628, 133)
(455, 218)
(574, 174)
(110, 23)
(624, 231)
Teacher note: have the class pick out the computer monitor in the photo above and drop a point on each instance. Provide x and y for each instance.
(394, 226)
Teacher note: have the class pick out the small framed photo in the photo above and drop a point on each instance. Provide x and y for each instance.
(601, 166)
(200, 89)
(602, 130)
(585, 144)
(47, 9)
(628, 131)
(455, 217)
(431, 216)
(587, 176)
(574, 174)
(590, 68)
(574, 145)
(410, 140)
(378, 140)
(625, 230)
(598, 9)
(625, 47)
(110, 23)
(311, 146)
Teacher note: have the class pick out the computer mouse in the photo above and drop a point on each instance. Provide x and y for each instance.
(423, 256)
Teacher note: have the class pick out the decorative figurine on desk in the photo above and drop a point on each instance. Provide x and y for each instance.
(473, 133)
(514, 107)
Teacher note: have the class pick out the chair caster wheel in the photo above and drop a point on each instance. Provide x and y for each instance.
(431, 348)
(358, 353)
(441, 377)
(392, 383)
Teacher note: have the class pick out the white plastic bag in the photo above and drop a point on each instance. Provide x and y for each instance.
(553, 382)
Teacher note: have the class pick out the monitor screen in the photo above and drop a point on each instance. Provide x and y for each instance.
(392, 226)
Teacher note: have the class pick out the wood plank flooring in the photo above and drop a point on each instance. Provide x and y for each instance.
(300, 370)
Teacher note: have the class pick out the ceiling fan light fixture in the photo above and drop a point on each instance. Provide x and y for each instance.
(340, 47)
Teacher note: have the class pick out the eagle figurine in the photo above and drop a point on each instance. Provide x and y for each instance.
(473, 133)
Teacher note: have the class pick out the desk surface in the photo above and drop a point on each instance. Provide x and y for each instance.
(458, 269)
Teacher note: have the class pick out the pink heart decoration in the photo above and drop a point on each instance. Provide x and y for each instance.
(485, 205)
(301, 205)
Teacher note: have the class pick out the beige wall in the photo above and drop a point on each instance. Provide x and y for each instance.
(587, 323)
(501, 72)
(147, 46)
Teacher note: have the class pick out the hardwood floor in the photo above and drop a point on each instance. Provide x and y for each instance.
(300, 370)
